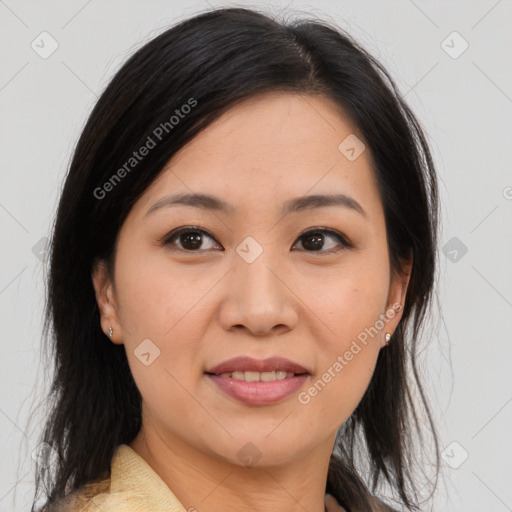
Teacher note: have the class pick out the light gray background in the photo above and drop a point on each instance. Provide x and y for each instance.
(464, 104)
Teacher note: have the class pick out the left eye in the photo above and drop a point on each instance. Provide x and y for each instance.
(315, 240)
(190, 239)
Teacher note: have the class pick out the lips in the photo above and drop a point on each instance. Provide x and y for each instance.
(249, 364)
(258, 382)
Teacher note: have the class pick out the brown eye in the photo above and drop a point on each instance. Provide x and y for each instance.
(189, 239)
(321, 240)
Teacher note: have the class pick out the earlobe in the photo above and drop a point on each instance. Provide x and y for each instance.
(105, 299)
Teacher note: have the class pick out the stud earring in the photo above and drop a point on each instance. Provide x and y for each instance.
(388, 337)
(110, 332)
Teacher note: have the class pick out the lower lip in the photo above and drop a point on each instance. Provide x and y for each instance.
(259, 393)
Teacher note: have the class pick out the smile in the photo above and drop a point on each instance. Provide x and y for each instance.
(258, 376)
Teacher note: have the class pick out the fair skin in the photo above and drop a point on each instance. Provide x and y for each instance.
(207, 304)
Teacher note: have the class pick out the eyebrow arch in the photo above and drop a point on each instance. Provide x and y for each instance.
(320, 201)
(208, 202)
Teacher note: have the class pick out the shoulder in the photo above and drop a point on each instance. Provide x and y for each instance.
(80, 500)
(97, 497)
(132, 486)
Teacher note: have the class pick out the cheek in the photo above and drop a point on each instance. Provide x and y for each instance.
(350, 301)
(349, 307)
(165, 305)
(155, 296)
(347, 361)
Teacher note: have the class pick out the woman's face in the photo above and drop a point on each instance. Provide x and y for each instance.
(264, 269)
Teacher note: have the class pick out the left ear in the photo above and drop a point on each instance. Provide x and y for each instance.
(396, 299)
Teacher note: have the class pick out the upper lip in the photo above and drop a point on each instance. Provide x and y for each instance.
(249, 364)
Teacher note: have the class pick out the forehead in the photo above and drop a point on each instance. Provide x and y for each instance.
(268, 148)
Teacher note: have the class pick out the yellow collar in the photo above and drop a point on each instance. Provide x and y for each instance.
(133, 486)
(131, 474)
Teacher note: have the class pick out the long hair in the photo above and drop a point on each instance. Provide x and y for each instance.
(212, 62)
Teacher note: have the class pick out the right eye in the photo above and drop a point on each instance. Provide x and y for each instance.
(187, 239)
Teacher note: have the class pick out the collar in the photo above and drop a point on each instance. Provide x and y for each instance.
(136, 487)
(131, 476)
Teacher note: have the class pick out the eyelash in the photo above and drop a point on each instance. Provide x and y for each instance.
(344, 242)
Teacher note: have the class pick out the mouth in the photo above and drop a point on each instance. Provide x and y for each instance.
(258, 382)
(251, 376)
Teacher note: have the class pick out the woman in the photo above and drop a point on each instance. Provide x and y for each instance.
(242, 260)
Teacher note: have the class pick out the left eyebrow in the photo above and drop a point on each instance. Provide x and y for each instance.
(321, 201)
(208, 202)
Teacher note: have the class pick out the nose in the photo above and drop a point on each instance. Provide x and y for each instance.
(258, 298)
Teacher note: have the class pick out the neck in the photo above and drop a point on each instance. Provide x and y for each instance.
(202, 481)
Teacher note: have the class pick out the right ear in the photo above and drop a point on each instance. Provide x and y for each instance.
(105, 299)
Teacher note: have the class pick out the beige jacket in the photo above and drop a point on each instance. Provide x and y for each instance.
(133, 486)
